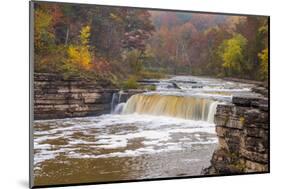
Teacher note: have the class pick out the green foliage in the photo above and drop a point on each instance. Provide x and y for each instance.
(130, 83)
(264, 64)
(43, 31)
(134, 59)
(231, 52)
(151, 87)
(51, 62)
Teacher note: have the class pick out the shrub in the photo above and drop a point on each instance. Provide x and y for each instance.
(130, 83)
(151, 87)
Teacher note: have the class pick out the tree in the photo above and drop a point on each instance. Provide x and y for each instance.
(79, 56)
(138, 30)
(43, 31)
(231, 52)
(264, 64)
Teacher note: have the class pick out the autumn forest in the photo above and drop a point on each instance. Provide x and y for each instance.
(121, 45)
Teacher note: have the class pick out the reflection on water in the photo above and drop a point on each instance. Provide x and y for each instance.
(120, 147)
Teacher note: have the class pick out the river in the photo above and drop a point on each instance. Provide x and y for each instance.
(168, 132)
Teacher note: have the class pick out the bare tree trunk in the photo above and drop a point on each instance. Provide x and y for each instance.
(141, 53)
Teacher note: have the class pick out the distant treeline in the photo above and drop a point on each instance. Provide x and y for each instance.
(215, 45)
(113, 43)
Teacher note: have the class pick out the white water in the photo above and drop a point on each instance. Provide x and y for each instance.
(185, 107)
(157, 133)
(163, 121)
(196, 98)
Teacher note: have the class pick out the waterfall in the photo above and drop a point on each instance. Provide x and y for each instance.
(115, 101)
(119, 108)
(212, 111)
(185, 107)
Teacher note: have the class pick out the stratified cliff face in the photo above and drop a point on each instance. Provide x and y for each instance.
(242, 128)
(56, 97)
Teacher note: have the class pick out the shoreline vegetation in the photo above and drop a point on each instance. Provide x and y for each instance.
(124, 45)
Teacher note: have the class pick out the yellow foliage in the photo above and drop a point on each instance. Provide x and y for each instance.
(264, 63)
(232, 53)
(84, 35)
(42, 30)
(80, 55)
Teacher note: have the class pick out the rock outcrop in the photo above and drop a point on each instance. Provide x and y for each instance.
(56, 97)
(242, 128)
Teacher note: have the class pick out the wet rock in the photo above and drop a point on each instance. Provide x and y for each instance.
(197, 87)
(224, 109)
(262, 104)
(244, 100)
(261, 90)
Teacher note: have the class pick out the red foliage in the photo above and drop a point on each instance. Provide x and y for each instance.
(101, 66)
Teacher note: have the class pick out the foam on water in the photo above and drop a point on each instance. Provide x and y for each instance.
(116, 133)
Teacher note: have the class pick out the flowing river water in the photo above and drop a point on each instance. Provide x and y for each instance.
(165, 133)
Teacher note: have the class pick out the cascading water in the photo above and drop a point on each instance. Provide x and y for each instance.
(185, 107)
(115, 101)
(118, 108)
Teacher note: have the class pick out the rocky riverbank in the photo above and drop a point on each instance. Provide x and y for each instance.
(243, 131)
(56, 97)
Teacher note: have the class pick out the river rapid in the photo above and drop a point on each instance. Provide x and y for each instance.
(165, 133)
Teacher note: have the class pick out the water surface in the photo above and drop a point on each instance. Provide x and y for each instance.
(165, 133)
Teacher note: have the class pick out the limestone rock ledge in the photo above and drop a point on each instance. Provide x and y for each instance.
(56, 97)
(242, 128)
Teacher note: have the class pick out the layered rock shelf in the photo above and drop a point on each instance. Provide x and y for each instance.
(242, 128)
(56, 97)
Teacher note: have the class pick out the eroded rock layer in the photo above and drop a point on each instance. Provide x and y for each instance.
(56, 97)
(242, 128)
